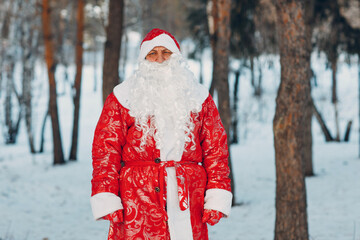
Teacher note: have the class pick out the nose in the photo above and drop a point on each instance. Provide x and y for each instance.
(160, 58)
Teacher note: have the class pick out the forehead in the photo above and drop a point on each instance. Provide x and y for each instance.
(159, 48)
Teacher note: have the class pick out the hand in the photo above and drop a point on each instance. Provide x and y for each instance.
(212, 217)
(115, 217)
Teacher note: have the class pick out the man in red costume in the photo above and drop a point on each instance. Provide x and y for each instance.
(160, 157)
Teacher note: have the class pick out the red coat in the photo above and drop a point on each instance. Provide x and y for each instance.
(116, 145)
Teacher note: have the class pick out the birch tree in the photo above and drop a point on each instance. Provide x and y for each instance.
(8, 59)
(29, 45)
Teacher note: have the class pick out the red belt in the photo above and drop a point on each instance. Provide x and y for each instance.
(183, 188)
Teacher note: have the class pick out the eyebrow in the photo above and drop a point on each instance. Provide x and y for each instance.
(164, 50)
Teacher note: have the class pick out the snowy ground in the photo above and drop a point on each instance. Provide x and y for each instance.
(39, 201)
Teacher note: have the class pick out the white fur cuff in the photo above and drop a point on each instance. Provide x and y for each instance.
(104, 203)
(218, 199)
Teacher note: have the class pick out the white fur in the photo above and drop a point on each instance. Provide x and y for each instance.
(161, 40)
(179, 221)
(104, 203)
(160, 92)
(218, 199)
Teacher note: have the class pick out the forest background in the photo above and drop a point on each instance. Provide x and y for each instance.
(250, 50)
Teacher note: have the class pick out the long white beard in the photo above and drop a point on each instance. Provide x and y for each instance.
(162, 92)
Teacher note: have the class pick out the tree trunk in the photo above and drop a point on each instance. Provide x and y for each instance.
(51, 66)
(10, 126)
(42, 136)
(112, 47)
(288, 124)
(324, 128)
(29, 44)
(201, 75)
(28, 73)
(213, 22)
(347, 132)
(307, 151)
(257, 87)
(77, 84)
(235, 121)
(252, 71)
(334, 98)
(221, 68)
(359, 98)
(8, 106)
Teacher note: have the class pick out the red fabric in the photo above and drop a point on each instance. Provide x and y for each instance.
(156, 32)
(117, 139)
(212, 217)
(115, 217)
(180, 177)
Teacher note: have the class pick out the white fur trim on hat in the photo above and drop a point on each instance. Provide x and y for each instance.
(163, 40)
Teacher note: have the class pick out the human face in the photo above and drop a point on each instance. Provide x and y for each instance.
(158, 54)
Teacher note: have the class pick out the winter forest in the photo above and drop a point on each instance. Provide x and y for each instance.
(285, 75)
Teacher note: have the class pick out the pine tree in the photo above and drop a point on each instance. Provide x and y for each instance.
(112, 47)
(288, 124)
(51, 66)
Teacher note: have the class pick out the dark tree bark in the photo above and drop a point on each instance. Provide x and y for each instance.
(221, 45)
(42, 136)
(347, 132)
(332, 54)
(235, 138)
(112, 47)
(77, 84)
(324, 128)
(252, 71)
(257, 86)
(334, 98)
(213, 19)
(288, 124)
(51, 66)
(307, 139)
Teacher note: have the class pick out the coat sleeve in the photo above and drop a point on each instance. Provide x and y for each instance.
(213, 140)
(109, 138)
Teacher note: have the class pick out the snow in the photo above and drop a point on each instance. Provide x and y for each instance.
(40, 201)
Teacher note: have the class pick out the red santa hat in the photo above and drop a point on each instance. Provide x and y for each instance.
(155, 38)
